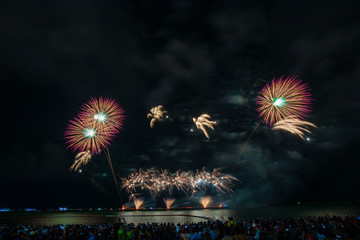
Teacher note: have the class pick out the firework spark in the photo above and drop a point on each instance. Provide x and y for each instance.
(223, 183)
(138, 203)
(169, 202)
(189, 182)
(96, 125)
(156, 114)
(294, 125)
(282, 98)
(205, 201)
(204, 121)
(105, 113)
(81, 159)
(83, 136)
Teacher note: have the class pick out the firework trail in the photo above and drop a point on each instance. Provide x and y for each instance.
(205, 201)
(169, 202)
(99, 187)
(283, 98)
(243, 147)
(279, 99)
(138, 203)
(189, 182)
(98, 122)
(107, 154)
(293, 125)
(204, 121)
(82, 158)
(107, 115)
(156, 114)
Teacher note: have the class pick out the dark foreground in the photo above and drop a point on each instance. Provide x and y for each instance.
(326, 227)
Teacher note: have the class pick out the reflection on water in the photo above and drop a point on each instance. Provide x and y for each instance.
(176, 216)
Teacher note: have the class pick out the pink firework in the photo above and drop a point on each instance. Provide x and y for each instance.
(104, 113)
(82, 135)
(283, 98)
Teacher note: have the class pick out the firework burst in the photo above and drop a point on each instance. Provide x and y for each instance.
(284, 97)
(105, 113)
(223, 183)
(294, 125)
(204, 121)
(98, 122)
(156, 114)
(81, 159)
(156, 181)
(83, 136)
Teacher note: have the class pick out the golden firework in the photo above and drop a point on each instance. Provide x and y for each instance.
(156, 114)
(205, 201)
(294, 125)
(83, 135)
(204, 121)
(82, 158)
(169, 202)
(138, 203)
(284, 97)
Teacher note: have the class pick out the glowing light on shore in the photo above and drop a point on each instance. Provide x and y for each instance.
(169, 202)
(138, 203)
(205, 201)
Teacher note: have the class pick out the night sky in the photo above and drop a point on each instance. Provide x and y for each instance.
(192, 57)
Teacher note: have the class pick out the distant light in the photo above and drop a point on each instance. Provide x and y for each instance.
(167, 117)
(308, 139)
(63, 209)
(4, 209)
(101, 117)
(279, 102)
(298, 203)
(191, 130)
(80, 171)
(99, 209)
(30, 209)
(89, 132)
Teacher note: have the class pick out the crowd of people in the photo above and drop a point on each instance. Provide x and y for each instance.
(308, 228)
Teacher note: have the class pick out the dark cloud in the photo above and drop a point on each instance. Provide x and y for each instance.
(193, 58)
